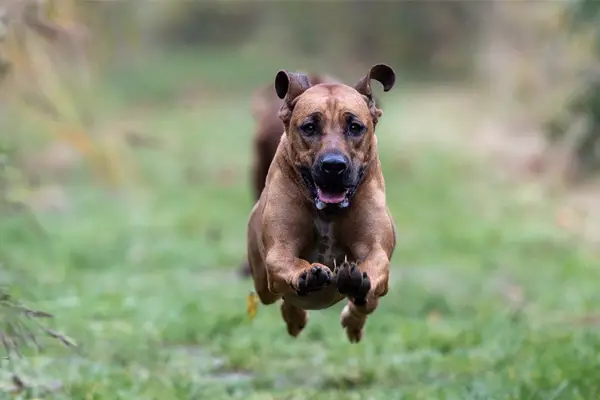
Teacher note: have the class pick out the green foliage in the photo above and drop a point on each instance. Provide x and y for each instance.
(584, 11)
(22, 328)
(485, 296)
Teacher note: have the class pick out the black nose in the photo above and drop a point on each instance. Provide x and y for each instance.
(334, 164)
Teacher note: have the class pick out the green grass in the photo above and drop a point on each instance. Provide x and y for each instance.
(146, 284)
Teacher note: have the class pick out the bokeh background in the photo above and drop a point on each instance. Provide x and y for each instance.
(125, 152)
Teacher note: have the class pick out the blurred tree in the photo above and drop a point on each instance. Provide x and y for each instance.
(416, 37)
(118, 27)
(583, 107)
(209, 23)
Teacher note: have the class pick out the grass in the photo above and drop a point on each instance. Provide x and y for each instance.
(486, 298)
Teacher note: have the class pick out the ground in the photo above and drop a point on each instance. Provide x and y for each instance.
(489, 297)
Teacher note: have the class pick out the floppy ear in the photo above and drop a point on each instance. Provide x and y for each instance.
(288, 86)
(383, 74)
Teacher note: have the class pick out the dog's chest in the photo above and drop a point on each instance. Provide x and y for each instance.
(326, 247)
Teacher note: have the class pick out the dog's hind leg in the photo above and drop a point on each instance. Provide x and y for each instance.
(262, 287)
(261, 284)
(294, 317)
(267, 297)
(353, 320)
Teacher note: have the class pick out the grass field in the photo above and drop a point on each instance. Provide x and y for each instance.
(488, 298)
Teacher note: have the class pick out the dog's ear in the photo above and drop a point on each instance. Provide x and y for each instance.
(383, 74)
(289, 85)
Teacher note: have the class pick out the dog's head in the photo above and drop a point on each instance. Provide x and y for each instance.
(330, 128)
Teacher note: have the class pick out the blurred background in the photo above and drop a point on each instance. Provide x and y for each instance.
(125, 153)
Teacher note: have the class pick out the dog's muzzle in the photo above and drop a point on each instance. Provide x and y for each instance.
(332, 180)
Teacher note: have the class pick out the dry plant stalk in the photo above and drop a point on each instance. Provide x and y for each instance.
(49, 80)
(21, 327)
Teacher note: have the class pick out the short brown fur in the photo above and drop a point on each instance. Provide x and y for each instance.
(265, 109)
(285, 242)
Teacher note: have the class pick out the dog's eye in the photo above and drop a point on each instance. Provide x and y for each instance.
(355, 129)
(308, 129)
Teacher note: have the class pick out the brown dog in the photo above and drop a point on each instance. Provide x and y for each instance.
(265, 109)
(321, 229)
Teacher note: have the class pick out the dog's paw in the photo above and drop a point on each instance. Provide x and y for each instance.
(353, 283)
(315, 278)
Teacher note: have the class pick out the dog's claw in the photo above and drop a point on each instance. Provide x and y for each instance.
(352, 283)
(318, 277)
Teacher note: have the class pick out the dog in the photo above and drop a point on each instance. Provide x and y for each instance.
(265, 108)
(321, 230)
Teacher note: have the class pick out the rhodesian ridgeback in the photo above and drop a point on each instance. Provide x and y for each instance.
(321, 230)
(269, 128)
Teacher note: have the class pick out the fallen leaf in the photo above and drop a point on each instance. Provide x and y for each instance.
(434, 316)
(251, 304)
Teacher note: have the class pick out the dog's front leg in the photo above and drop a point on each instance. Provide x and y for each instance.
(363, 284)
(289, 274)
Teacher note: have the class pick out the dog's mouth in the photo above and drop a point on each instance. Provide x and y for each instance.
(331, 196)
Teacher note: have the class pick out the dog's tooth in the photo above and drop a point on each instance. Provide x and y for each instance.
(320, 205)
(345, 203)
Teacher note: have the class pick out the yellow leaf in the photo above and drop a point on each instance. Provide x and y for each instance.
(251, 304)
(434, 316)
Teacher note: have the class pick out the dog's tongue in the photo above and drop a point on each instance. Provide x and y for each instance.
(331, 198)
